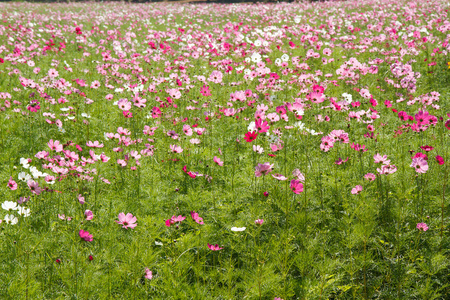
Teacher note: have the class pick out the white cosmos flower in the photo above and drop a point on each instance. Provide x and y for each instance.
(65, 109)
(23, 211)
(256, 57)
(9, 205)
(257, 43)
(85, 115)
(24, 163)
(10, 219)
(285, 57)
(251, 126)
(24, 176)
(238, 229)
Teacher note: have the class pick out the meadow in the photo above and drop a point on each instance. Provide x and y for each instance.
(243, 151)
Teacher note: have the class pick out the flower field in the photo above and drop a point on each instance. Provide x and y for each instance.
(206, 151)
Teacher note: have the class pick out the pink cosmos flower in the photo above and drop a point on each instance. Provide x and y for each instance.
(358, 147)
(296, 186)
(95, 144)
(214, 247)
(187, 130)
(81, 199)
(216, 76)
(128, 220)
(176, 148)
(205, 91)
(196, 218)
(263, 169)
(55, 146)
(327, 143)
(357, 189)
(279, 177)
(12, 184)
(174, 219)
(422, 118)
(381, 159)
(34, 187)
(148, 274)
(370, 176)
(387, 169)
(340, 161)
(422, 226)
(218, 161)
(89, 215)
(261, 126)
(259, 222)
(85, 235)
(419, 164)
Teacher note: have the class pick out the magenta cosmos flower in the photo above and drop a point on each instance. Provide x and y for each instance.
(85, 235)
(422, 226)
(128, 220)
(214, 247)
(296, 186)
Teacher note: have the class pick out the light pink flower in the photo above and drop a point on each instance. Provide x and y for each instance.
(89, 215)
(263, 169)
(218, 161)
(128, 220)
(357, 189)
(148, 274)
(259, 222)
(419, 164)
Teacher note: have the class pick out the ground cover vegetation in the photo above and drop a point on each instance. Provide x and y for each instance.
(245, 151)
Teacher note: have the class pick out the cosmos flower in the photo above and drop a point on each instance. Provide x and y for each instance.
(127, 221)
(85, 235)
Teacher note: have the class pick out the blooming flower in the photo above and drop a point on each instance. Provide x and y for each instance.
(370, 176)
(9, 205)
(250, 136)
(89, 215)
(218, 161)
(10, 219)
(128, 220)
(259, 222)
(174, 219)
(85, 235)
(422, 226)
(263, 169)
(148, 274)
(12, 184)
(196, 218)
(296, 186)
(420, 165)
(214, 247)
(440, 160)
(357, 189)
